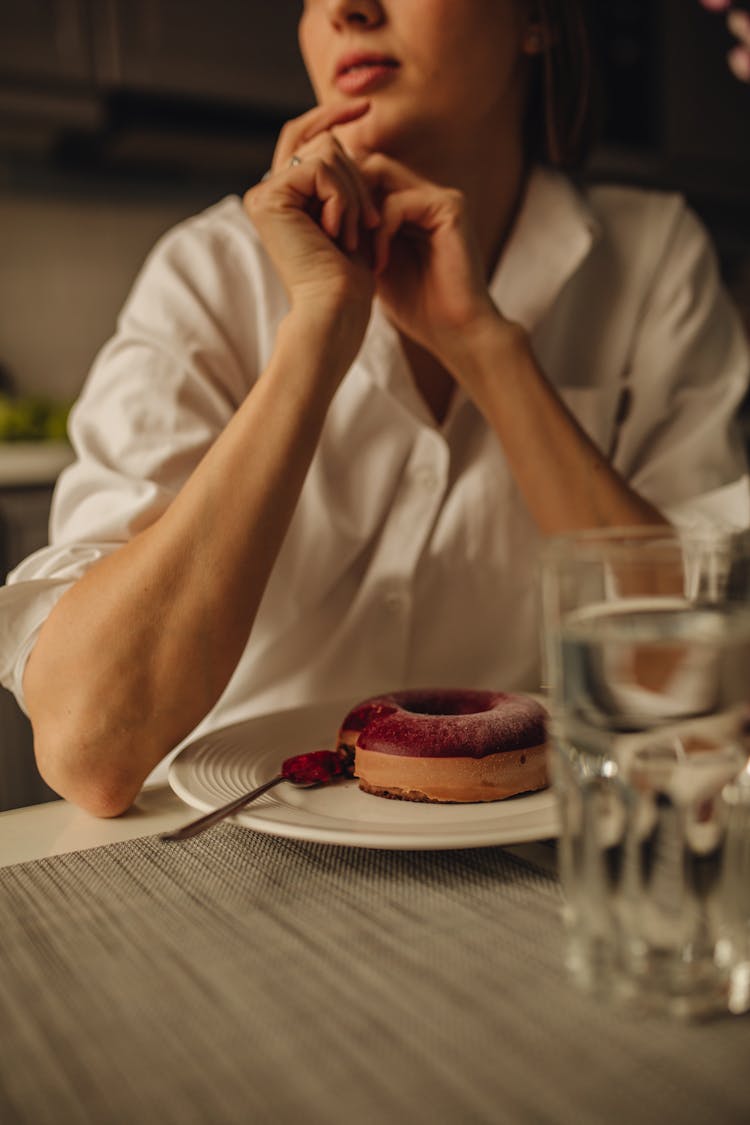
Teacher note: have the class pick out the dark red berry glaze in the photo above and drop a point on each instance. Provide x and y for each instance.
(363, 714)
(447, 723)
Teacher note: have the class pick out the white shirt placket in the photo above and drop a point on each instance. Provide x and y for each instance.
(387, 592)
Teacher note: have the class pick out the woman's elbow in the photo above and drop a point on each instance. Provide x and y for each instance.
(85, 778)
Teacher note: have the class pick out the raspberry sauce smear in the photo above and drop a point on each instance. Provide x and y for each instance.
(318, 767)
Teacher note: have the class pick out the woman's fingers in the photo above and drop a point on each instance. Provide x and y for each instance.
(738, 22)
(370, 213)
(340, 194)
(383, 174)
(349, 182)
(739, 62)
(336, 190)
(309, 138)
(352, 213)
(739, 57)
(322, 186)
(365, 212)
(426, 208)
(395, 213)
(358, 206)
(321, 119)
(405, 199)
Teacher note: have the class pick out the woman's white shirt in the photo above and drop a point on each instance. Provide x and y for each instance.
(410, 559)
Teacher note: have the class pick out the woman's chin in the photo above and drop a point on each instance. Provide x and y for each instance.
(368, 135)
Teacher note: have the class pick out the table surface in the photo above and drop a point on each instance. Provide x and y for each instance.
(59, 827)
(242, 977)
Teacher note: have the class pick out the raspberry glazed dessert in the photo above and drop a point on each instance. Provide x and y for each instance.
(447, 745)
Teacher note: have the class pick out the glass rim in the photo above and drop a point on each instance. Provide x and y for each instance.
(589, 542)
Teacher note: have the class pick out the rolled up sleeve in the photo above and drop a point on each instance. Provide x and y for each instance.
(184, 355)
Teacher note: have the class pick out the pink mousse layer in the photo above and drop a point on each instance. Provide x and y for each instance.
(445, 724)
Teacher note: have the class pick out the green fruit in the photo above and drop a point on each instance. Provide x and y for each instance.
(32, 418)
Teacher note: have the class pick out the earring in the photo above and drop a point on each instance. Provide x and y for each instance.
(533, 41)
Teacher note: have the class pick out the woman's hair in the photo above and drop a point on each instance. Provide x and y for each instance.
(562, 113)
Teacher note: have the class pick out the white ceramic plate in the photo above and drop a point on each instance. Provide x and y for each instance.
(223, 764)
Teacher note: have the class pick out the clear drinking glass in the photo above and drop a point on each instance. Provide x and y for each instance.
(647, 643)
(733, 945)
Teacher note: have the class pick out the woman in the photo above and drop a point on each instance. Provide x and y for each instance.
(365, 484)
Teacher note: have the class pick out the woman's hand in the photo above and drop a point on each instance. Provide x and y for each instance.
(313, 213)
(738, 22)
(428, 267)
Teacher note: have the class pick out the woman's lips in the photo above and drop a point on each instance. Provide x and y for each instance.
(363, 73)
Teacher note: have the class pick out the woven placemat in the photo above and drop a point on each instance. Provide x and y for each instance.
(239, 977)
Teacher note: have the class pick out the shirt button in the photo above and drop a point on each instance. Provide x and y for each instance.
(395, 603)
(426, 477)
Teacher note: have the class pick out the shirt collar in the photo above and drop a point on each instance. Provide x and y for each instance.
(554, 231)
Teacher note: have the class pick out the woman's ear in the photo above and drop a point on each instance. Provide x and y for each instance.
(535, 39)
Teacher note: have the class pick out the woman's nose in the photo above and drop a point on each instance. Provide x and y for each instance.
(366, 13)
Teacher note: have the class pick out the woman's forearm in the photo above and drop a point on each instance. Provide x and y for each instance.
(139, 650)
(566, 481)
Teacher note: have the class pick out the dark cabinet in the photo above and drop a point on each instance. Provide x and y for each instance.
(45, 40)
(706, 111)
(675, 115)
(235, 51)
(173, 89)
(154, 81)
(230, 50)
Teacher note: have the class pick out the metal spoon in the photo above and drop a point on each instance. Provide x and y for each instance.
(303, 770)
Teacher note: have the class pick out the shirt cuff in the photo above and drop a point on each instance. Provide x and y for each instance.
(722, 509)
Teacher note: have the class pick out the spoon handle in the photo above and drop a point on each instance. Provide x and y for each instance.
(213, 817)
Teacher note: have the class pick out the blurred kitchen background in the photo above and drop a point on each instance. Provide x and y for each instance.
(118, 118)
